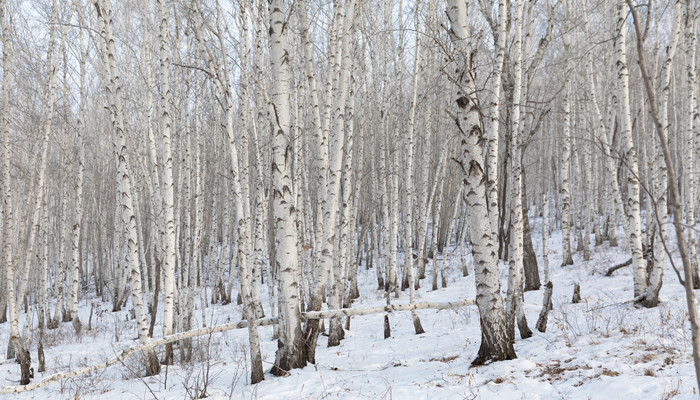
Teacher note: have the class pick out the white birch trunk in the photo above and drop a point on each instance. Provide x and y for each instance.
(634, 233)
(8, 221)
(168, 200)
(514, 303)
(77, 222)
(408, 254)
(495, 341)
(656, 275)
(7, 217)
(492, 157)
(290, 351)
(565, 189)
(694, 144)
(126, 204)
(545, 235)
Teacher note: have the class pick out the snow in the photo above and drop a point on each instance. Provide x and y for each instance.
(601, 348)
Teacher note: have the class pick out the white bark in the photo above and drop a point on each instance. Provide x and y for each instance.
(408, 241)
(545, 234)
(124, 183)
(693, 142)
(634, 233)
(515, 281)
(290, 346)
(495, 341)
(346, 138)
(250, 298)
(656, 275)
(7, 213)
(78, 219)
(171, 250)
(492, 157)
(565, 189)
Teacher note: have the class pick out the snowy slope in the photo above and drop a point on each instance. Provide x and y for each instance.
(602, 348)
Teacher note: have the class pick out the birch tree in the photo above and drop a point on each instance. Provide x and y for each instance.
(656, 275)
(495, 341)
(124, 182)
(7, 217)
(290, 351)
(78, 219)
(565, 171)
(515, 280)
(634, 233)
(408, 255)
(16, 294)
(171, 250)
(674, 197)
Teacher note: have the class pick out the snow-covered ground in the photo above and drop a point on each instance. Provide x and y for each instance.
(602, 348)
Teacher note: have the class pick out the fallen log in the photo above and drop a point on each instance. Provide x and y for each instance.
(618, 266)
(346, 312)
(131, 350)
(236, 325)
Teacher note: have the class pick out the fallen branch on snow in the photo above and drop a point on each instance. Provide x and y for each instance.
(237, 325)
(347, 312)
(618, 266)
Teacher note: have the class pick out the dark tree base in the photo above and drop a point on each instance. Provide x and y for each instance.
(417, 325)
(387, 327)
(287, 359)
(576, 298)
(492, 354)
(24, 359)
(546, 308)
(335, 332)
(152, 364)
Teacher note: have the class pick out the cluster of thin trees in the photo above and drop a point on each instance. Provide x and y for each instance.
(163, 156)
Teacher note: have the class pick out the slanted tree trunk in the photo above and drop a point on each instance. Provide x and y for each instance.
(673, 194)
(655, 276)
(16, 296)
(124, 182)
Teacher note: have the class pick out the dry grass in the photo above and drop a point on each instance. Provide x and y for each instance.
(444, 359)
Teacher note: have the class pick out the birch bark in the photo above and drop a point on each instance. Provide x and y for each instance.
(495, 341)
(656, 275)
(634, 233)
(290, 350)
(408, 254)
(515, 282)
(126, 204)
(168, 190)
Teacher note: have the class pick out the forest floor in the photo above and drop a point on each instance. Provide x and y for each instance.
(601, 348)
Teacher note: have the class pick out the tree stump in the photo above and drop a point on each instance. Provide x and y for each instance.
(546, 308)
(387, 327)
(576, 298)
